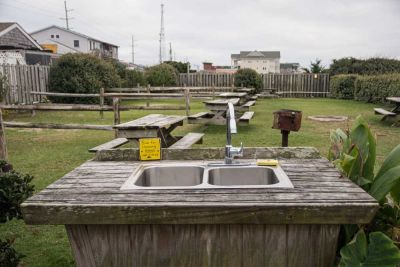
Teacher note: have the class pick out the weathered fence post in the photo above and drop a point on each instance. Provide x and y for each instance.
(101, 103)
(138, 87)
(148, 91)
(187, 101)
(3, 145)
(117, 118)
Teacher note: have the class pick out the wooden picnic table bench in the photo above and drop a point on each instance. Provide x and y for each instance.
(151, 126)
(389, 113)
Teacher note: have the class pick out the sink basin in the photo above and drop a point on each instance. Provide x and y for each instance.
(180, 175)
(242, 176)
(170, 176)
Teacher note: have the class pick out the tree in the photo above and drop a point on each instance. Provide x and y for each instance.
(248, 78)
(179, 66)
(161, 75)
(315, 67)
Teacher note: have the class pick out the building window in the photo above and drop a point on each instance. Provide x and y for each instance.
(52, 36)
(57, 36)
(76, 43)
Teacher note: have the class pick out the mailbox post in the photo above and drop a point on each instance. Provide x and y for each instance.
(287, 120)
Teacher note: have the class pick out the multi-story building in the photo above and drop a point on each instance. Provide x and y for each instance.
(261, 61)
(63, 41)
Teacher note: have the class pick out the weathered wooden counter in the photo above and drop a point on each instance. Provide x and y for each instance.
(203, 227)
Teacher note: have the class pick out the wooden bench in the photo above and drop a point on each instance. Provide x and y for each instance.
(249, 103)
(253, 97)
(109, 145)
(188, 140)
(385, 113)
(199, 117)
(246, 117)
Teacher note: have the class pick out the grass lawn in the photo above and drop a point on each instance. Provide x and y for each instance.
(49, 154)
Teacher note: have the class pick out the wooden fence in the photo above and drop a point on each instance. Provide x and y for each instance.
(24, 79)
(287, 85)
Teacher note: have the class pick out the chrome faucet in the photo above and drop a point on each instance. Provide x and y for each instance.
(230, 151)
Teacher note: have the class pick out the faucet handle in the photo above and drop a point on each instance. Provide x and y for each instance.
(237, 151)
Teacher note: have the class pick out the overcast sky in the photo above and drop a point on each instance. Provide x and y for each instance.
(210, 30)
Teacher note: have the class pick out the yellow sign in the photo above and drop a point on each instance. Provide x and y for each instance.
(150, 148)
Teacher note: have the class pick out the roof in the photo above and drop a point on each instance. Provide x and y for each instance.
(73, 32)
(6, 27)
(257, 54)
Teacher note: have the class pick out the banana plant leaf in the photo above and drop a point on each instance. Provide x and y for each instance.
(378, 252)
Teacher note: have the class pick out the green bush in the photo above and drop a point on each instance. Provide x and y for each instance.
(161, 75)
(371, 66)
(248, 78)
(9, 257)
(14, 189)
(342, 86)
(81, 73)
(179, 66)
(377, 88)
(133, 78)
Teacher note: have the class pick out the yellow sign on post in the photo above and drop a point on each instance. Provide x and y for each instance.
(150, 148)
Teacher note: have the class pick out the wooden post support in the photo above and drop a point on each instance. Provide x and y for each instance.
(148, 91)
(138, 87)
(3, 145)
(101, 102)
(187, 101)
(117, 118)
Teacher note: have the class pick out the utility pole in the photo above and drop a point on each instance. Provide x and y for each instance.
(67, 19)
(133, 50)
(162, 36)
(170, 52)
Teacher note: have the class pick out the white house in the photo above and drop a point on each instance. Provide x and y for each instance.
(260, 61)
(62, 41)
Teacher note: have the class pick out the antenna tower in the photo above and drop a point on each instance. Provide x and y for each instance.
(162, 36)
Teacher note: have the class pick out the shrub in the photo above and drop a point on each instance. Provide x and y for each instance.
(81, 73)
(161, 75)
(248, 78)
(133, 78)
(377, 88)
(179, 66)
(371, 66)
(342, 86)
(14, 189)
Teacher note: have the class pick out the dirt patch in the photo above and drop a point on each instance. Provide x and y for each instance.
(327, 118)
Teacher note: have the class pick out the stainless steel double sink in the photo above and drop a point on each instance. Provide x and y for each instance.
(198, 176)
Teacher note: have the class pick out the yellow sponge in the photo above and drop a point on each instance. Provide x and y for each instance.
(267, 162)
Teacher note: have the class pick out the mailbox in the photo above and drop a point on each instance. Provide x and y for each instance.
(287, 120)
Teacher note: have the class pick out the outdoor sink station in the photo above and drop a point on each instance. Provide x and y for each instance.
(202, 207)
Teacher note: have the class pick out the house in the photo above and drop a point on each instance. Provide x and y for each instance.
(288, 68)
(18, 47)
(61, 40)
(209, 67)
(260, 61)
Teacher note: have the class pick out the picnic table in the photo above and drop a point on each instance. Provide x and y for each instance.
(242, 96)
(151, 126)
(390, 113)
(217, 114)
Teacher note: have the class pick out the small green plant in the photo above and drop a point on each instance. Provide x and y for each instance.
(14, 189)
(161, 75)
(342, 86)
(4, 86)
(9, 257)
(376, 251)
(248, 78)
(354, 153)
(315, 67)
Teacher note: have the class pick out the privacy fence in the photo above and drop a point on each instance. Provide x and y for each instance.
(287, 85)
(25, 79)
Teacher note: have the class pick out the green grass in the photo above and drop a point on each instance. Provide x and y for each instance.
(49, 154)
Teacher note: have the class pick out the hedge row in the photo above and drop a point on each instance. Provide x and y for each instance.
(370, 66)
(374, 88)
